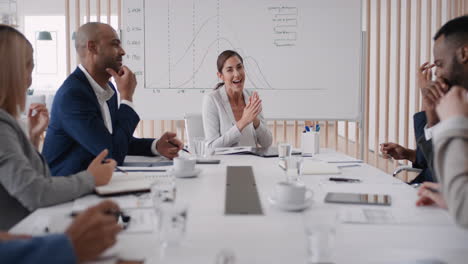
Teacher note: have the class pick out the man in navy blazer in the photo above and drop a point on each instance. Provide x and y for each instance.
(86, 115)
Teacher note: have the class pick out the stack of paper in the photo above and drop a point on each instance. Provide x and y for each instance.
(313, 167)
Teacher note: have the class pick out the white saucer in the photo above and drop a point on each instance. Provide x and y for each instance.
(292, 207)
(185, 174)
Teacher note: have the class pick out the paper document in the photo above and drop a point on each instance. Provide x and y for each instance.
(141, 220)
(313, 167)
(409, 216)
(334, 158)
(124, 202)
(142, 169)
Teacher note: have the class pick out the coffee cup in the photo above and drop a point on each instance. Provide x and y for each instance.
(290, 192)
(184, 165)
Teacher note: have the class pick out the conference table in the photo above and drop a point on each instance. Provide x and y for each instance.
(418, 235)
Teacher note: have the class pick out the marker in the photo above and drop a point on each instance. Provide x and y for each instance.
(307, 128)
(317, 127)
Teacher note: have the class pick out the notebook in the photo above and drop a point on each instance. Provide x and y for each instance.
(122, 183)
(261, 152)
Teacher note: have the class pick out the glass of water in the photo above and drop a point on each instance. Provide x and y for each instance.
(199, 147)
(293, 168)
(163, 191)
(173, 224)
(284, 151)
(320, 229)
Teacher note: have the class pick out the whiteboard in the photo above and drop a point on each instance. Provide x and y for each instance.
(303, 57)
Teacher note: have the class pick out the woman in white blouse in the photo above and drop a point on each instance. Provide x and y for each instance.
(232, 116)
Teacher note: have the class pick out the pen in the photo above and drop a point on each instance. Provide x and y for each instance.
(348, 166)
(307, 128)
(317, 128)
(121, 170)
(343, 180)
(175, 145)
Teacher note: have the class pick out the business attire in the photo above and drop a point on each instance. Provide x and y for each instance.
(25, 182)
(419, 123)
(451, 165)
(49, 249)
(86, 119)
(220, 127)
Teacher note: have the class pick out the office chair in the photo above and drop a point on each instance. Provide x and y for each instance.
(407, 168)
(193, 127)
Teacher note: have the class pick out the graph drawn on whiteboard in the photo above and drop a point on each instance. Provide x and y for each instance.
(184, 38)
(299, 55)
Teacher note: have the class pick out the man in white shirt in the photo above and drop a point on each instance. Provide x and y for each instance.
(87, 116)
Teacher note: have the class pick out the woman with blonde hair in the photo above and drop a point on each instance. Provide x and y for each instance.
(25, 180)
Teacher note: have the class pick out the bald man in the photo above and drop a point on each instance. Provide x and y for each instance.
(87, 116)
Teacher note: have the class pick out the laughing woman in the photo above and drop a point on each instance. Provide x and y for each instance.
(232, 116)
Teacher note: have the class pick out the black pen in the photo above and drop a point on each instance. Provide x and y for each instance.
(343, 179)
(175, 145)
(121, 170)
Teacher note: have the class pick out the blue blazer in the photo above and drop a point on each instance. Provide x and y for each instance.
(77, 133)
(47, 249)
(420, 121)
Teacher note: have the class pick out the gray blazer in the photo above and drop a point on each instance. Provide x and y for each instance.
(25, 181)
(220, 127)
(450, 139)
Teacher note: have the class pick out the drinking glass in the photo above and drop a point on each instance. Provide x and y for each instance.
(173, 223)
(284, 150)
(163, 191)
(293, 168)
(320, 229)
(198, 147)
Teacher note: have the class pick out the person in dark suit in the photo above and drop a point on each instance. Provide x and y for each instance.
(416, 156)
(86, 113)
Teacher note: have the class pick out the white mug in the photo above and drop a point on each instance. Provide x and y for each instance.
(184, 165)
(290, 192)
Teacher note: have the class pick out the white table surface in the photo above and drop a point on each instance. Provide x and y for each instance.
(278, 236)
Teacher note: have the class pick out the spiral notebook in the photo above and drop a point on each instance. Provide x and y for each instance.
(131, 182)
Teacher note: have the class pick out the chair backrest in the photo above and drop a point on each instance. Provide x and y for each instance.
(193, 127)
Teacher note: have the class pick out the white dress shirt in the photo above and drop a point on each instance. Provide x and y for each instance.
(427, 133)
(103, 95)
